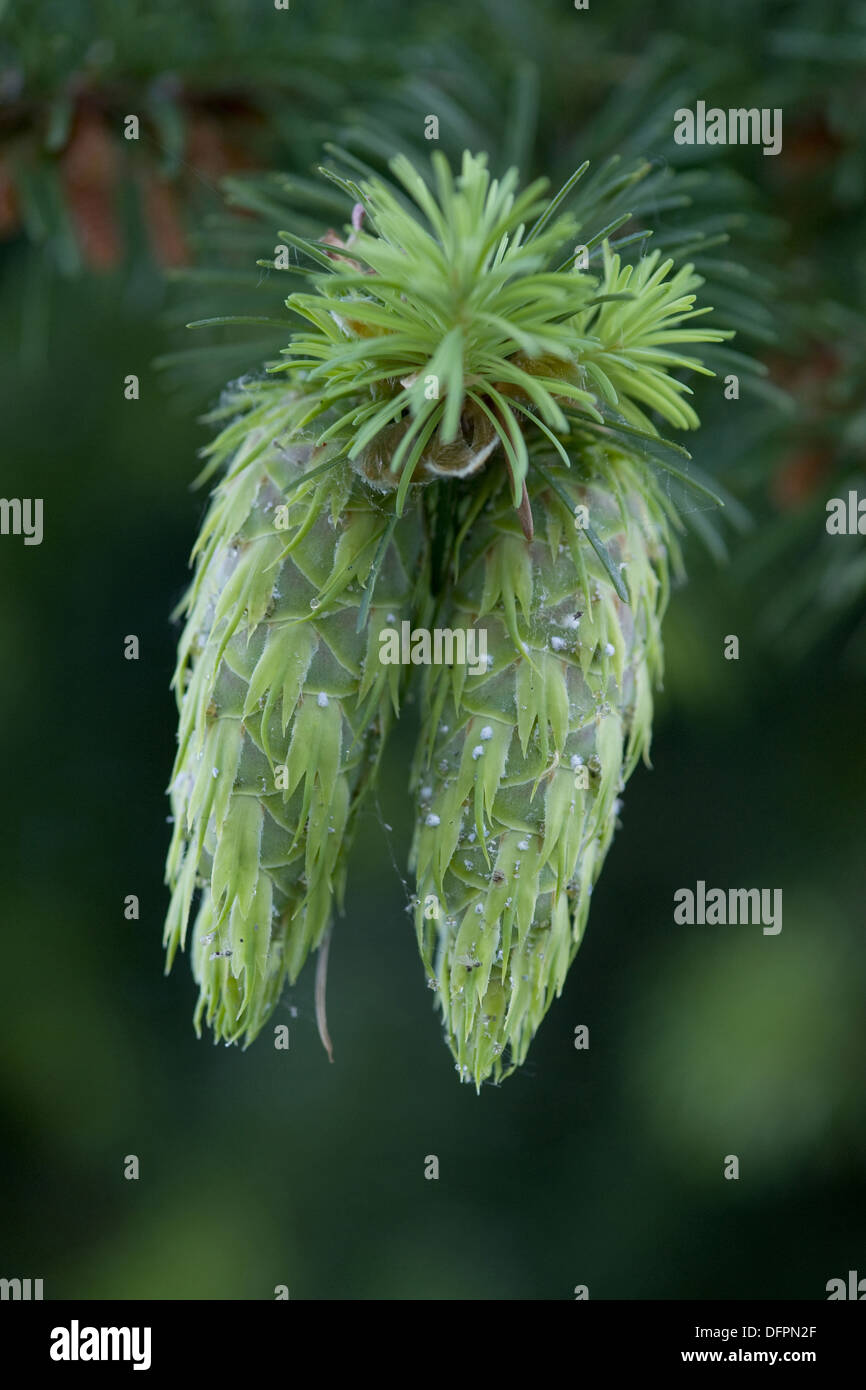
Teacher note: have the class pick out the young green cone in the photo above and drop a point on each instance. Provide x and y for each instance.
(520, 768)
(284, 707)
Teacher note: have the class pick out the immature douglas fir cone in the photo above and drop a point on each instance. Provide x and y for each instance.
(481, 447)
(284, 708)
(519, 771)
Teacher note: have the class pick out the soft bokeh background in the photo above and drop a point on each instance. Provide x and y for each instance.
(601, 1167)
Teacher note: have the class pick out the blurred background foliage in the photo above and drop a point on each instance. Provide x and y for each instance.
(603, 1166)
